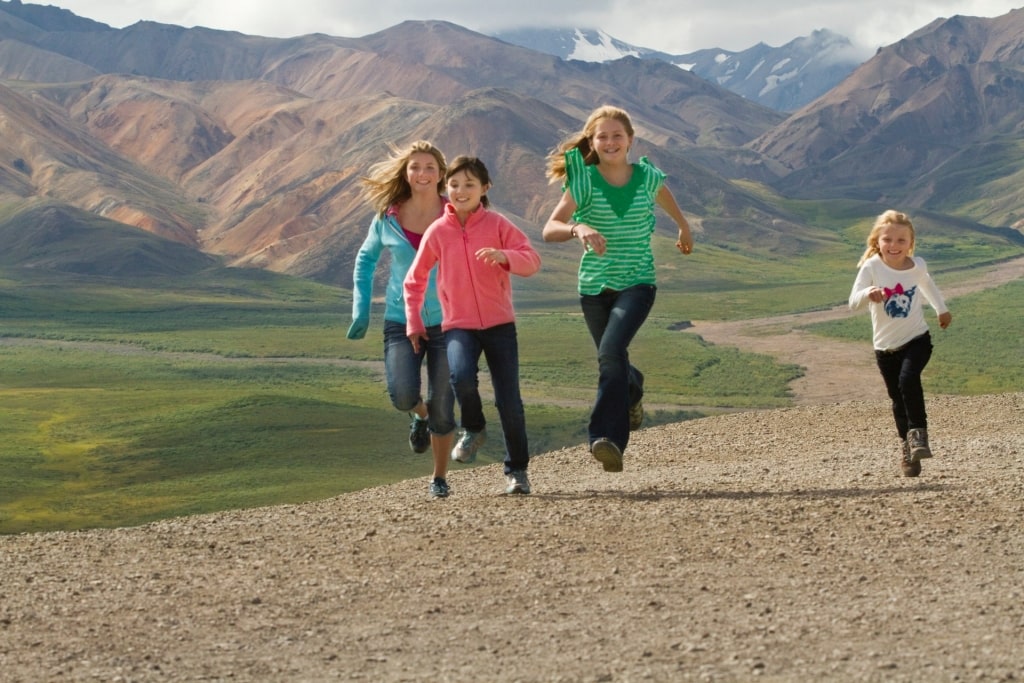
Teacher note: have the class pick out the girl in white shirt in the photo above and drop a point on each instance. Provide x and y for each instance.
(894, 283)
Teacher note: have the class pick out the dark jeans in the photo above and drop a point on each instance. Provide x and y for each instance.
(500, 347)
(613, 319)
(901, 369)
(402, 369)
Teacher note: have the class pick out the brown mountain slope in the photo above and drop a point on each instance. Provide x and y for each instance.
(327, 70)
(46, 156)
(428, 61)
(276, 173)
(158, 124)
(951, 85)
(674, 105)
(23, 62)
(780, 545)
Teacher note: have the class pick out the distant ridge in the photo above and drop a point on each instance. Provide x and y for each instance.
(782, 78)
(934, 120)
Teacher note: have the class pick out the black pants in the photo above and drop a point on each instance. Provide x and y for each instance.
(901, 369)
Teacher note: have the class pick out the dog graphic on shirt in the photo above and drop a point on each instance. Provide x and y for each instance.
(898, 300)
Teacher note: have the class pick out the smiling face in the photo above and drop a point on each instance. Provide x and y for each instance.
(423, 173)
(611, 140)
(895, 245)
(465, 192)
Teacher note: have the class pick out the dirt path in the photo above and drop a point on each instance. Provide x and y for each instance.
(834, 369)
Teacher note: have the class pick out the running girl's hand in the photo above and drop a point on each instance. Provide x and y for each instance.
(492, 256)
(592, 240)
(945, 319)
(685, 243)
(357, 330)
(876, 294)
(414, 339)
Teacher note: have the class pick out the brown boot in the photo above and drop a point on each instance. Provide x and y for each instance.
(911, 468)
(636, 416)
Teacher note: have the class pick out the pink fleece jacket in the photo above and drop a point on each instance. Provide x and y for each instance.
(474, 295)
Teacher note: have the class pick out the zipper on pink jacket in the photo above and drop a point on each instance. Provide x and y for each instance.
(472, 279)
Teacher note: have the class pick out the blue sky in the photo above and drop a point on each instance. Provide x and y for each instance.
(674, 26)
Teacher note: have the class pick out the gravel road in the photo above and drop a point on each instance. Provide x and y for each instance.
(783, 545)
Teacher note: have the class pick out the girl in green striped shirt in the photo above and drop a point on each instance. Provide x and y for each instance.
(608, 205)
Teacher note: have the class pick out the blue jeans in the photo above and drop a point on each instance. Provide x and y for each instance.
(500, 347)
(402, 368)
(901, 370)
(613, 319)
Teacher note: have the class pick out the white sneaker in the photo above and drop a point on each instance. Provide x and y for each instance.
(467, 445)
(517, 482)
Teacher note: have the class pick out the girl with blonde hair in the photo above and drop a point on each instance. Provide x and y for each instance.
(405, 191)
(894, 284)
(608, 205)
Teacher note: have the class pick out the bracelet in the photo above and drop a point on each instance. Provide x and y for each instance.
(572, 228)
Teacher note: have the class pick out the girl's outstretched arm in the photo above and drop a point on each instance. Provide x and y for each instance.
(558, 228)
(517, 254)
(668, 202)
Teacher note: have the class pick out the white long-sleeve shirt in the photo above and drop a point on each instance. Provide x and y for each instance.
(900, 316)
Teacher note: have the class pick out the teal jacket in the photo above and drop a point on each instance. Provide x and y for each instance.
(386, 233)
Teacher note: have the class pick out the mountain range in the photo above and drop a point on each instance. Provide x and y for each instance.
(249, 149)
(783, 78)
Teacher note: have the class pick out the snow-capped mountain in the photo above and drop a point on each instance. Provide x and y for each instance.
(782, 78)
(587, 45)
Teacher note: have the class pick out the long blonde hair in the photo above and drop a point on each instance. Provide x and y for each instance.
(890, 217)
(582, 140)
(386, 183)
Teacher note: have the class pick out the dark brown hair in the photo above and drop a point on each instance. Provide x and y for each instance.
(472, 166)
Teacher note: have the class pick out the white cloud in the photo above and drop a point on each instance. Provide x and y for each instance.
(674, 26)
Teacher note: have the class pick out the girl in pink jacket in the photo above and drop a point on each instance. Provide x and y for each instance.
(476, 250)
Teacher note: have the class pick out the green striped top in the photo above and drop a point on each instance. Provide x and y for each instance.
(623, 215)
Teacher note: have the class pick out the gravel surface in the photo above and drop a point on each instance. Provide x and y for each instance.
(782, 544)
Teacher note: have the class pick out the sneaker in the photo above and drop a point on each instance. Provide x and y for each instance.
(911, 468)
(917, 439)
(517, 482)
(467, 445)
(419, 435)
(636, 416)
(608, 454)
(439, 488)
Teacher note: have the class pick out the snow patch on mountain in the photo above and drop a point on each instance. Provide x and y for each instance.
(802, 70)
(606, 48)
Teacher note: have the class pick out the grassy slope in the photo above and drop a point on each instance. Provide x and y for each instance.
(152, 400)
